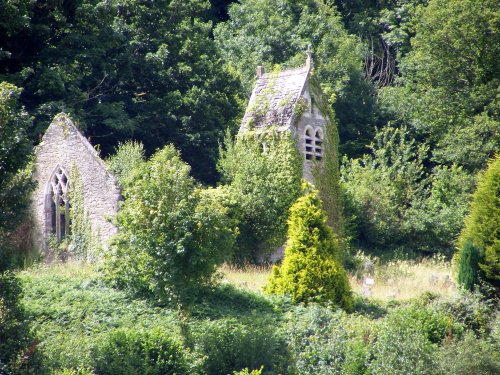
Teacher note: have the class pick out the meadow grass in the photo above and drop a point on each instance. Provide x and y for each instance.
(394, 280)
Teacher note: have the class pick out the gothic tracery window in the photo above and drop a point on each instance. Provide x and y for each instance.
(59, 204)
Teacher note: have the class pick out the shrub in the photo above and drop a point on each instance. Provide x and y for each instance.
(265, 183)
(311, 270)
(317, 340)
(232, 346)
(482, 226)
(128, 158)
(14, 329)
(401, 348)
(172, 234)
(130, 352)
(468, 267)
(469, 355)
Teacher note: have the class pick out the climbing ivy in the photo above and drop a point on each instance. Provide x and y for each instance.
(83, 241)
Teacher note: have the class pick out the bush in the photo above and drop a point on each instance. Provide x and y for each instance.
(232, 346)
(469, 355)
(401, 348)
(130, 352)
(172, 234)
(124, 163)
(468, 267)
(311, 270)
(265, 184)
(14, 329)
(317, 341)
(482, 226)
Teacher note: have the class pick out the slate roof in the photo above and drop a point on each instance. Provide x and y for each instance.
(274, 98)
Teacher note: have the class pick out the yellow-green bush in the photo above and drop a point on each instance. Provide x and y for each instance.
(482, 226)
(311, 270)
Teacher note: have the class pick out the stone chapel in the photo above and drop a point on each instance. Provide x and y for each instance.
(62, 149)
(289, 101)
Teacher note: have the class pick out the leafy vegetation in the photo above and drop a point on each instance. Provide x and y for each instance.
(482, 226)
(311, 270)
(262, 185)
(172, 235)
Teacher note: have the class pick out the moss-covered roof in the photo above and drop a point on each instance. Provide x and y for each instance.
(274, 98)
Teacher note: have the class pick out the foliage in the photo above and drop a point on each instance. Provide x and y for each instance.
(245, 371)
(317, 340)
(482, 226)
(468, 268)
(392, 200)
(15, 150)
(231, 345)
(84, 242)
(401, 348)
(450, 80)
(148, 70)
(172, 234)
(471, 355)
(14, 329)
(311, 270)
(128, 351)
(271, 32)
(128, 157)
(263, 185)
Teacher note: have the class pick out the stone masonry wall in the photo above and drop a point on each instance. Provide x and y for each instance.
(311, 117)
(63, 145)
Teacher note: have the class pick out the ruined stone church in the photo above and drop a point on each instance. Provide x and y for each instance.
(285, 100)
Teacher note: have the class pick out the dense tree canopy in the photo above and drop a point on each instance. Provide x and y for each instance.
(269, 32)
(147, 70)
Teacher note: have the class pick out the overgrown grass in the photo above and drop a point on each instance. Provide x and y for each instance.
(398, 280)
(75, 315)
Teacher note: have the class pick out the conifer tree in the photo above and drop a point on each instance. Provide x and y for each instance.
(482, 226)
(311, 270)
(468, 269)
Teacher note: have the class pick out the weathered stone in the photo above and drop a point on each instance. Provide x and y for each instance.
(284, 100)
(62, 147)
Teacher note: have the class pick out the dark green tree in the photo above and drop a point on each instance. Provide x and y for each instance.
(270, 32)
(482, 226)
(450, 79)
(134, 68)
(468, 267)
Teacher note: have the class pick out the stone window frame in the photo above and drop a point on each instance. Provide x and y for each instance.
(313, 143)
(56, 197)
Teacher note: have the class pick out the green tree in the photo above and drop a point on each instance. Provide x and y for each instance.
(172, 234)
(15, 150)
(311, 270)
(394, 201)
(143, 69)
(270, 32)
(450, 80)
(263, 174)
(468, 268)
(482, 225)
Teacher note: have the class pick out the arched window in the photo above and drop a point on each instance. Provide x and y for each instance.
(59, 204)
(309, 143)
(318, 144)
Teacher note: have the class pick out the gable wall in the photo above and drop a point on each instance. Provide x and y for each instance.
(63, 145)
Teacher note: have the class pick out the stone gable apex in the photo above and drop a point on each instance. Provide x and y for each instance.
(61, 148)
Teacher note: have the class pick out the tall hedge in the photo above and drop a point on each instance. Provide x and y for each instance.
(311, 270)
(482, 225)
